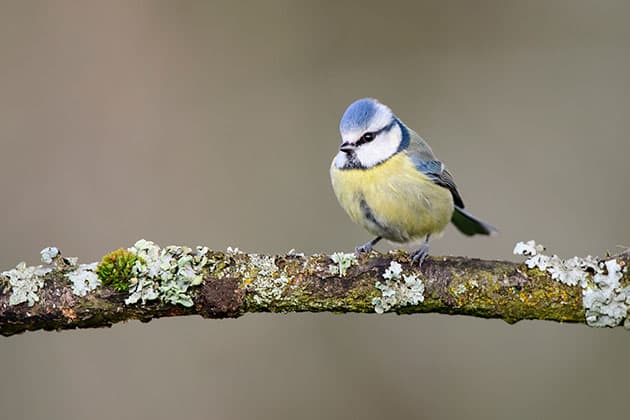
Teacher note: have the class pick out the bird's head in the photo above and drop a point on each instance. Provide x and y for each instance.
(370, 134)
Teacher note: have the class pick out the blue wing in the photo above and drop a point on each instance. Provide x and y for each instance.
(437, 172)
(464, 221)
(425, 161)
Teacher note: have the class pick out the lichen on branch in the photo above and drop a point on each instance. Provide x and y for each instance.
(605, 300)
(146, 281)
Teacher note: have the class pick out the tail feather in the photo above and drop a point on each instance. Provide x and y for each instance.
(469, 224)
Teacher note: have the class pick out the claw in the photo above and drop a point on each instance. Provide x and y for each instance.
(418, 256)
(367, 247)
(363, 248)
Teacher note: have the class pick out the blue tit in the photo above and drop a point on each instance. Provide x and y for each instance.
(388, 180)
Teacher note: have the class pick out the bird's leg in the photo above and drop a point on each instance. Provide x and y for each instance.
(368, 246)
(418, 256)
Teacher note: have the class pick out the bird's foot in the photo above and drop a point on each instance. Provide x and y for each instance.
(367, 247)
(418, 256)
(364, 248)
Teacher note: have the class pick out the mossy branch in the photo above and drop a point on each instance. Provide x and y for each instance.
(231, 284)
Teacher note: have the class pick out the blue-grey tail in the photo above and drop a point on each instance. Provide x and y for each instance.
(469, 224)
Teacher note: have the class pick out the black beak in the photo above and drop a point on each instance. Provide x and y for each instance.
(347, 148)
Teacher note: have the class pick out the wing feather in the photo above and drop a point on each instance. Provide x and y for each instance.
(426, 162)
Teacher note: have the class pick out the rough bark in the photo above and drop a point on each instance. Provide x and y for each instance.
(453, 285)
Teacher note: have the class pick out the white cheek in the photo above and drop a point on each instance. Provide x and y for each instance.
(375, 152)
(382, 148)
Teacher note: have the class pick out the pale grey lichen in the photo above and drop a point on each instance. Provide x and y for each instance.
(573, 271)
(141, 289)
(293, 253)
(606, 304)
(265, 264)
(342, 261)
(165, 273)
(48, 254)
(71, 260)
(398, 289)
(528, 248)
(233, 251)
(267, 282)
(25, 282)
(84, 279)
(393, 272)
(460, 289)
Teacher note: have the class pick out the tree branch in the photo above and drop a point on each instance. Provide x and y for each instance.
(231, 284)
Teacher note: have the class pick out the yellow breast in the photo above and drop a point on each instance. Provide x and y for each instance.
(393, 200)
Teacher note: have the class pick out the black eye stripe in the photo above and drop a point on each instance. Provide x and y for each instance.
(366, 138)
(369, 136)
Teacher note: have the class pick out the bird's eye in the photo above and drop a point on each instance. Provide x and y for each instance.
(366, 138)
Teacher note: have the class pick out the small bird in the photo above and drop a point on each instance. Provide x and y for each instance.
(388, 180)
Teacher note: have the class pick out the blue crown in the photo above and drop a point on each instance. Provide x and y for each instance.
(358, 115)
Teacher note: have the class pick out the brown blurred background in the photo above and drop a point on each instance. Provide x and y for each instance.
(195, 122)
